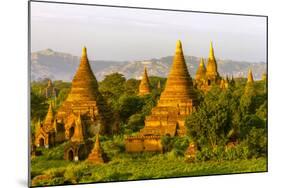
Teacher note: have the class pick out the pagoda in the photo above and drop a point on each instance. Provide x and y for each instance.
(144, 87)
(45, 131)
(85, 99)
(176, 102)
(212, 67)
(97, 156)
(201, 71)
(50, 90)
(249, 88)
(205, 77)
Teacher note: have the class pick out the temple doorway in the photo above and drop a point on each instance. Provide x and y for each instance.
(41, 142)
(70, 155)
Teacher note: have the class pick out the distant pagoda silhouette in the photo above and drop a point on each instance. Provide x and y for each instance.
(206, 77)
(144, 87)
(249, 88)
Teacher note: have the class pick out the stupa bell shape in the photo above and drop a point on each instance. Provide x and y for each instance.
(179, 83)
(78, 131)
(201, 71)
(176, 101)
(212, 68)
(96, 156)
(144, 87)
(84, 98)
(84, 84)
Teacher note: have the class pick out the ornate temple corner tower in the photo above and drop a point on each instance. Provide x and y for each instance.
(144, 87)
(45, 132)
(211, 73)
(176, 102)
(97, 156)
(78, 148)
(85, 99)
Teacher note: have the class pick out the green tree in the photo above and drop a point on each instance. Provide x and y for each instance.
(128, 105)
(132, 86)
(113, 85)
(39, 106)
(136, 122)
(211, 123)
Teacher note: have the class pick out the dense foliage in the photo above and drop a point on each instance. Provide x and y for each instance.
(227, 116)
(229, 128)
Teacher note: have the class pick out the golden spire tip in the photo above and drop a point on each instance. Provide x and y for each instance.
(84, 51)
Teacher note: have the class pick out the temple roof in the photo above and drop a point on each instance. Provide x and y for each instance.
(201, 71)
(84, 84)
(78, 131)
(179, 83)
(144, 87)
(212, 68)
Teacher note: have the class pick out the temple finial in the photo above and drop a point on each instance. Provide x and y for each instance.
(211, 52)
(178, 46)
(250, 76)
(84, 51)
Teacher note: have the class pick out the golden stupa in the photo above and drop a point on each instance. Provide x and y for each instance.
(212, 68)
(144, 87)
(48, 123)
(250, 78)
(206, 77)
(85, 99)
(175, 104)
(96, 156)
(201, 71)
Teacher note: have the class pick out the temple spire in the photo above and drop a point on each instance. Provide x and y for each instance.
(250, 77)
(144, 87)
(179, 84)
(211, 52)
(78, 131)
(84, 52)
(50, 115)
(212, 68)
(96, 156)
(84, 84)
(201, 71)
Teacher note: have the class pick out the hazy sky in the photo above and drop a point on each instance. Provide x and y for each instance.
(135, 34)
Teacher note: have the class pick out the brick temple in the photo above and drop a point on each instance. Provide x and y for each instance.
(82, 115)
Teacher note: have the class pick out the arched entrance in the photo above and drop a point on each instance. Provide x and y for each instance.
(71, 132)
(41, 142)
(70, 155)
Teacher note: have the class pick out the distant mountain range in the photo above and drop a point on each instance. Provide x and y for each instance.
(62, 66)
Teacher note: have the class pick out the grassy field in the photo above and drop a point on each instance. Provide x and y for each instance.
(50, 169)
